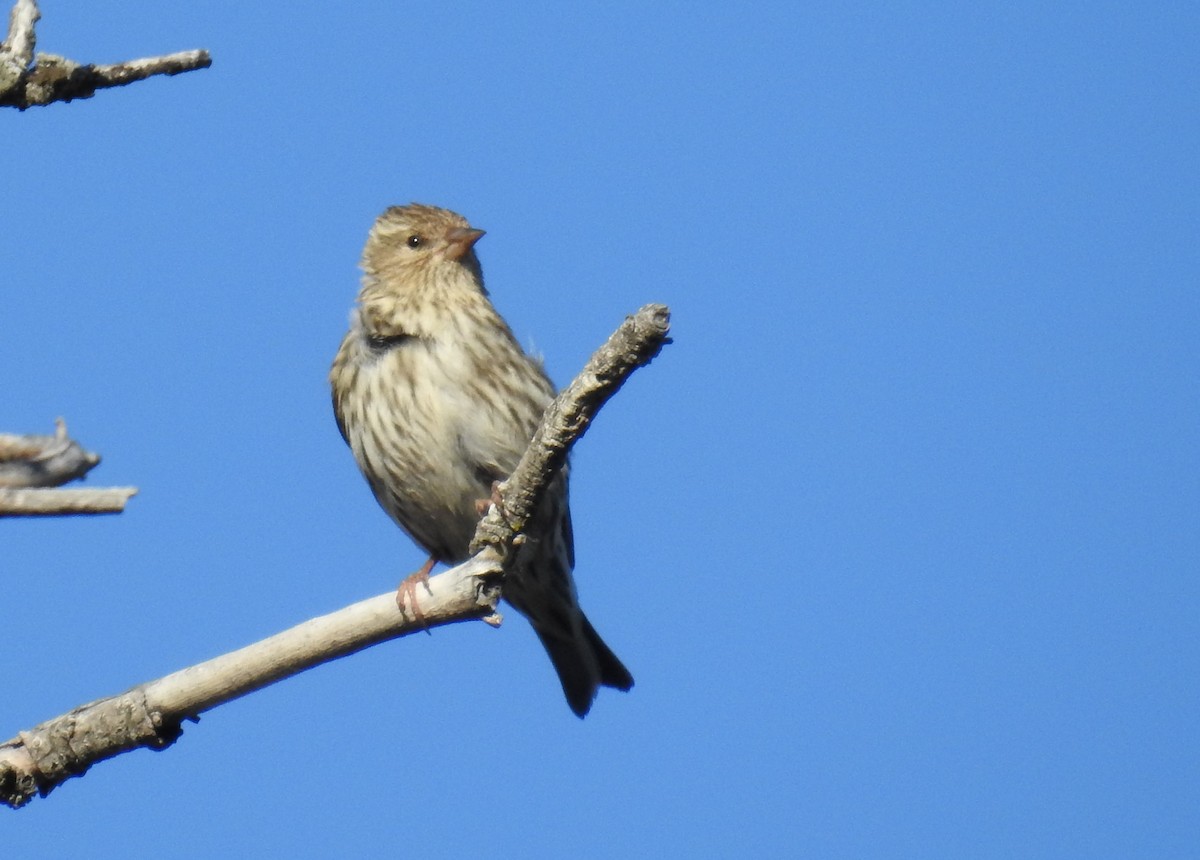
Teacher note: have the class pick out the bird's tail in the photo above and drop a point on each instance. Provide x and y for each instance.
(584, 664)
(541, 586)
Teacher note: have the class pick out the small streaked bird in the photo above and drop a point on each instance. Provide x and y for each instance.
(438, 401)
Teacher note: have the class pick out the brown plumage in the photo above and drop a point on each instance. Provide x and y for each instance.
(437, 400)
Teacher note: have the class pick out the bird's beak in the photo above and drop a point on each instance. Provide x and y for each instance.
(459, 241)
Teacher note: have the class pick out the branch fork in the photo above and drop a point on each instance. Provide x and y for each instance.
(28, 79)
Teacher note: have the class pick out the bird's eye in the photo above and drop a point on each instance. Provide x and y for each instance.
(415, 241)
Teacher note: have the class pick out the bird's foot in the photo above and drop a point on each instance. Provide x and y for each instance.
(408, 588)
(482, 505)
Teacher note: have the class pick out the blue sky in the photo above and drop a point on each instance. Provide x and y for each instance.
(899, 538)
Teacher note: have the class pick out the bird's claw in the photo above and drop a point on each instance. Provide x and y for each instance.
(496, 499)
(408, 589)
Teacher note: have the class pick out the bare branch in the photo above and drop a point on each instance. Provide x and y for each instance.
(57, 503)
(151, 715)
(29, 462)
(120, 74)
(38, 760)
(27, 80)
(43, 461)
(57, 79)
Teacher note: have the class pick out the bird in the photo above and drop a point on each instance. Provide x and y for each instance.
(438, 401)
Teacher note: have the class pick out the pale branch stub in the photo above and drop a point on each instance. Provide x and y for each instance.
(59, 503)
(28, 79)
(151, 715)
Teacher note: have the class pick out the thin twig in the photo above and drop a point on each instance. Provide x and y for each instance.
(57, 503)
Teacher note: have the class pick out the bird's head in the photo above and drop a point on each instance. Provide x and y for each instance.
(419, 245)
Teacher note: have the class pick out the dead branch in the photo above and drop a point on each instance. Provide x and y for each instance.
(30, 464)
(43, 461)
(58, 503)
(151, 715)
(28, 79)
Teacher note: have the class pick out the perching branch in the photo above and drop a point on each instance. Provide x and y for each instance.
(635, 343)
(29, 464)
(27, 79)
(151, 715)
